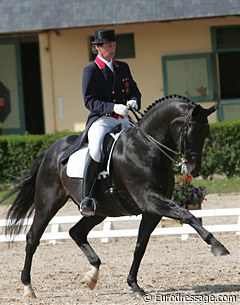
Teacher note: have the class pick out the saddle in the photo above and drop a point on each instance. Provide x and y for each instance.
(76, 154)
(75, 169)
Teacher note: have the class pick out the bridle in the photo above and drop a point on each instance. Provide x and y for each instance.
(186, 153)
(183, 154)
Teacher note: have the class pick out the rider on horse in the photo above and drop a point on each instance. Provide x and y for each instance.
(108, 91)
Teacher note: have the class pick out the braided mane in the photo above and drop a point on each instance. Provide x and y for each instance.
(164, 99)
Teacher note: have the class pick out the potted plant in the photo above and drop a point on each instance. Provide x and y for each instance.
(187, 195)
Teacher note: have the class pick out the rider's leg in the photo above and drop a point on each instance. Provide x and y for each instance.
(88, 204)
(96, 134)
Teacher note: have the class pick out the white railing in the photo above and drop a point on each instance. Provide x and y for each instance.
(57, 224)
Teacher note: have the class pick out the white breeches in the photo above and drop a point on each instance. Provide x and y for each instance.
(99, 129)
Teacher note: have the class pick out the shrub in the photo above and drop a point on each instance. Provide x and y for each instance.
(221, 153)
(18, 152)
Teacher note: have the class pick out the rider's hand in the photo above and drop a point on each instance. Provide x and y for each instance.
(120, 109)
(132, 104)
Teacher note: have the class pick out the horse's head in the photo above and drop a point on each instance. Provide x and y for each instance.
(189, 133)
(175, 122)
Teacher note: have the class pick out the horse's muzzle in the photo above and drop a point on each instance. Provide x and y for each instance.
(194, 166)
(195, 173)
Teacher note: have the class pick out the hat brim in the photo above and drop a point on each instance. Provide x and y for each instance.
(98, 41)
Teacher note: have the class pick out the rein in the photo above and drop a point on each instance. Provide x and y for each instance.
(158, 145)
(163, 148)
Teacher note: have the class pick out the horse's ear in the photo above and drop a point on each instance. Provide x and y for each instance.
(212, 109)
(197, 110)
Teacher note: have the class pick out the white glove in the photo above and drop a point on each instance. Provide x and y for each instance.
(132, 104)
(120, 109)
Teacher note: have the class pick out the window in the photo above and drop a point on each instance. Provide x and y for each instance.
(189, 75)
(226, 43)
(226, 47)
(226, 38)
(125, 47)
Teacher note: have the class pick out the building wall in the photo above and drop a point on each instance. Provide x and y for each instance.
(64, 56)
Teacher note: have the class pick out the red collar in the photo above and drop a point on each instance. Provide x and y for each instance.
(101, 64)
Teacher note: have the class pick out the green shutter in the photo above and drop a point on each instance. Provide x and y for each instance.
(189, 75)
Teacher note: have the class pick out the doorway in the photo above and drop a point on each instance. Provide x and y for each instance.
(32, 89)
(229, 63)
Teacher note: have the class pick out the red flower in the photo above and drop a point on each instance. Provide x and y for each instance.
(186, 178)
(189, 178)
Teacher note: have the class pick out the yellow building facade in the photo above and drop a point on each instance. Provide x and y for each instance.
(209, 45)
(65, 53)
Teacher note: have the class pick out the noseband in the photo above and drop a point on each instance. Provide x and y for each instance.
(184, 152)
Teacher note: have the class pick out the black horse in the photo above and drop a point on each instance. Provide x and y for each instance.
(141, 172)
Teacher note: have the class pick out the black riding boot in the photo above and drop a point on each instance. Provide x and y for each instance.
(88, 204)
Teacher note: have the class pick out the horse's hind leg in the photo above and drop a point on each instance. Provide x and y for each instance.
(43, 215)
(79, 234)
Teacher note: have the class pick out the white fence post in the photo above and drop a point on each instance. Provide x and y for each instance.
(238, 232)
(184, 236)
(54, 230)
(107, 226)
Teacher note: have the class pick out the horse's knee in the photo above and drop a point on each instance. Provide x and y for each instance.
(189, 219)
(186, 217)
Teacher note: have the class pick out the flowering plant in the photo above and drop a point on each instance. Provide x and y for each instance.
(185, 193)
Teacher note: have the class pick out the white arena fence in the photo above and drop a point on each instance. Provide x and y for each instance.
(55, 230)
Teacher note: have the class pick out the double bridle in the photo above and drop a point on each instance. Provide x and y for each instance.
(183, 152)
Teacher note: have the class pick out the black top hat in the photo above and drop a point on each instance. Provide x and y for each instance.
(102, 36)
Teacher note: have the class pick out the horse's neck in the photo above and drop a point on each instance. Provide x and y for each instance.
(158, 125)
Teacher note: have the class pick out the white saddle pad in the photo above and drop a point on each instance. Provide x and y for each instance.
(76, 163)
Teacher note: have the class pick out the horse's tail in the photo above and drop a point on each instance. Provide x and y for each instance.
(23, 205)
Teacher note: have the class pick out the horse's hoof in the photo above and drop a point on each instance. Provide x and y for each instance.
(139, 294)
(29, 292)
(89, 281)
(219, 250)
(29, 296)
(91, 278)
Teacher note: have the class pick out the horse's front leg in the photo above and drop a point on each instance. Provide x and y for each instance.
(147, 225)
(168, 208)
(217, 248)
(79, 234)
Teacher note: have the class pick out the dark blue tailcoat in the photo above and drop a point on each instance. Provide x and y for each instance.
(102, 88)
